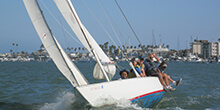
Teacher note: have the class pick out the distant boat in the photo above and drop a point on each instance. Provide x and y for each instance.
(85, 60)
(218, 59)
(145, 91)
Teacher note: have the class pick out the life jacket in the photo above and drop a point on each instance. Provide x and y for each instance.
(132, 74)
(142, 66)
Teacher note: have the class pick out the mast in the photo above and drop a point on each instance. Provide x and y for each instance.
(90, 46)
(154, 40)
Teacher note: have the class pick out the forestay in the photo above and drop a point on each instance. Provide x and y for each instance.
(70, 15)
(60, 58)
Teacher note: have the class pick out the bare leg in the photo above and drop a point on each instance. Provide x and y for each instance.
(161, 80)
(169, 78)
(164, 75)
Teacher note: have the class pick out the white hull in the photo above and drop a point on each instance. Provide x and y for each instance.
(136, 90)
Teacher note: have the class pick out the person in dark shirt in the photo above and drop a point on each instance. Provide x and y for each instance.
(151, 69)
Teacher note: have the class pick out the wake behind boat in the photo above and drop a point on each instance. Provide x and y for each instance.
(145, 91)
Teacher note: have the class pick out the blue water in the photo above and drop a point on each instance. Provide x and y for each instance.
(40, 86)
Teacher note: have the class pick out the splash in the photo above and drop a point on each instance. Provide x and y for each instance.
(63, 102)
(124, 103)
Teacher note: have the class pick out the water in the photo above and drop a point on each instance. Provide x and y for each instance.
(40, 86)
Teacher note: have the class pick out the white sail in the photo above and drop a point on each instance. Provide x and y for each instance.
(70, 15)
(60, 58)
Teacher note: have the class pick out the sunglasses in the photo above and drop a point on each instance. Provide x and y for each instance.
(164, 67)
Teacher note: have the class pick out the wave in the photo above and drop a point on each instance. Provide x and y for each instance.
(18, 106)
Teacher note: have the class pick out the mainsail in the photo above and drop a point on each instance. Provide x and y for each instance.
(60, 58)
(70, 15)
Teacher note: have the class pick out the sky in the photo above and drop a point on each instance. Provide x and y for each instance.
(170, 20)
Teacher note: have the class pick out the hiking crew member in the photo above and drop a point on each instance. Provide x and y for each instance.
(152, 70)
(162, 68)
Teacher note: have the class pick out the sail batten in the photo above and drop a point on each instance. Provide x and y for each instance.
(60, 58)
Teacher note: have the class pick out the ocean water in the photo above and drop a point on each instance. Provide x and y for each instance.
(40, 86)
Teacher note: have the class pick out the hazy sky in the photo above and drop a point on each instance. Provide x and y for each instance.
(170, 20)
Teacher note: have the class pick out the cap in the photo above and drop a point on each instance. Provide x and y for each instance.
(141, 57)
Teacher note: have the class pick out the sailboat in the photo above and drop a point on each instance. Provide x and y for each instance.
(144, 91)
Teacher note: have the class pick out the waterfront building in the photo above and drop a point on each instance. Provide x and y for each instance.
(214, 49)
(205, 49)
(196, 47)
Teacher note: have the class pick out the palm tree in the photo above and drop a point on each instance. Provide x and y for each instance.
(102, 46)
(106, 46)
(139, 45)
(123, 46)
(110, 49)
(42, 46)
(83, 49)
(114, 48)
(68, 49)
(16, 47)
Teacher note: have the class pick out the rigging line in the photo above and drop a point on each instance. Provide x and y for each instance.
(168, 91)
(60, 23)
(89, 44)
(102, 25)
(120, 67)
(173, 99)
(63, 31)
(111, 25)
(110, 22)
(128, 22)
(99, 23)
(104, 29)
(135, 36)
